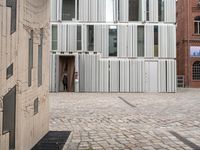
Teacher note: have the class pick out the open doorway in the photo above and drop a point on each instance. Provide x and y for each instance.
(66, 73)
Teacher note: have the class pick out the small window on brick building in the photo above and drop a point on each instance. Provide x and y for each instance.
(196, 70)
(197, 25)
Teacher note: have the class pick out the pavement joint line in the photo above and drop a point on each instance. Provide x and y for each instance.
(185, 141)
(125, 101)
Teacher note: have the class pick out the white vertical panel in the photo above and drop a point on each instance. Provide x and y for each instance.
(140, 74)
(97, 38)
(162, 75)
(53, 10)
(171, 76)
(84, 37)
(105, 41)
(170, 11)
(124, 75)
(59, 37)
(102, 10)
(82, 72)
(171, 39)
(133, 75)
(72, 38)
(59, 10)
(162, 41)
(132, 41)
(104, 76)
(153, 10)
(149, 41)
(93, 10)
(123, 10)
(122, 41)
(114, 75)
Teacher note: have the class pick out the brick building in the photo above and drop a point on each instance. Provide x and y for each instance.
(188, 41)
(24, 44)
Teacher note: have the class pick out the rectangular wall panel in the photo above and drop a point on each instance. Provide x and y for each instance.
(114, 76)
(122, 41)
(104, 75)
(124, 75)
(149, 41)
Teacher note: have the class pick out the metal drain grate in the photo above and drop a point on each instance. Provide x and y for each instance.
(53, 140)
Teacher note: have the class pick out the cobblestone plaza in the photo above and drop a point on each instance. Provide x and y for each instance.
(128, 121)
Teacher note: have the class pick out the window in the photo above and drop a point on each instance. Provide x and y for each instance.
(40, 58)
(36, 106)
(113, 41)
(147, 10)
(135, 10)
(140, 41)
(78, 37)
(54, 37)
(155, 41)
(197, 25)
(30, 59)
(90, 38)
(9, 71)
(13, 5)
(196, 71)
(160, 10)
(68, 9)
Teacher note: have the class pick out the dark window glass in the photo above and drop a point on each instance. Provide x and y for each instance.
(13, 5)
(68, 10)
(161, 10)
(196, 70)
(197, 25)
(79, 37)
(9, 113)
(54, 37)
(36, 106)
(40, 58)
(156, 41)
(113, 41)
(30, 61)
(9, 71)
(90, 38)
(135, 10)
(147, 10)
(140, 49)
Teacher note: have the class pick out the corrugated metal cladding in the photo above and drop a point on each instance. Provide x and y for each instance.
(119, 45)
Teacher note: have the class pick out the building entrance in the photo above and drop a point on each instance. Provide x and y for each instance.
(66, 73)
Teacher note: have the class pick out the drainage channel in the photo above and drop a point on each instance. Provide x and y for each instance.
(53, 140)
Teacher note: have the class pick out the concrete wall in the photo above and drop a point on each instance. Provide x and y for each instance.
(14, 48)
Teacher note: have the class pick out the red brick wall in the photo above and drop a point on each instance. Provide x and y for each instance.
(187, 10)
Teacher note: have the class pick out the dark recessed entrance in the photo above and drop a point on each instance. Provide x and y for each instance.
(66, 73)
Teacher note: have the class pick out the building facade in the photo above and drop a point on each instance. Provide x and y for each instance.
(24, 77)
(188, 42)
(113, 45)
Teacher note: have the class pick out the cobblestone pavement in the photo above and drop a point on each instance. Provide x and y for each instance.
(128, 121)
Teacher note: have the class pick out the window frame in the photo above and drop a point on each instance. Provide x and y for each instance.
(196, 67)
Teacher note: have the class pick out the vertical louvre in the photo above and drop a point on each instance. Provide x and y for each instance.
(170, 11)
(105, 40)
(98, 38)
(162, 76)
(54, 10)
(104, 75)
(132, 41)
(153, 10)
(122, 41)
(149, 41)
(124, 75)
(114, 75)
(123, 10)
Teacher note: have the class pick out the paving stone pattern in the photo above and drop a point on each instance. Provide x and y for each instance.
(128, 121)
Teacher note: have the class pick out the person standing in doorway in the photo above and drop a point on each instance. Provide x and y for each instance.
(65, 82)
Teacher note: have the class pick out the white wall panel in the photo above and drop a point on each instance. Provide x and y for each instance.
(54, 10)
(170, 11)
(123, 10)
(153, 10)
(104, 76)
(149, 41)
(122, 41)
(114, 75)
(97, 38)
(124, 75)
(105, 40)
(171, 76)
(162, 76)
(132, 41)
